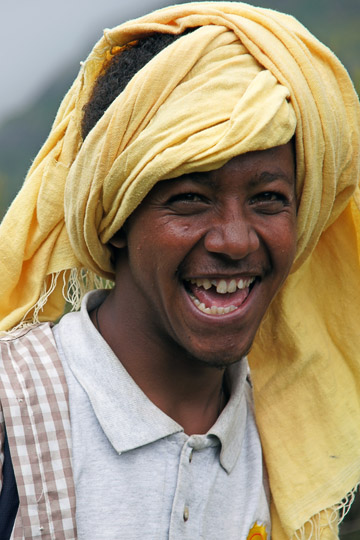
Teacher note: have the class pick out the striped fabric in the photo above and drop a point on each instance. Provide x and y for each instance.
(34, 408)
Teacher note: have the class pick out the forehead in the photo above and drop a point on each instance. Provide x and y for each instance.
(261, 166)
(251, 168)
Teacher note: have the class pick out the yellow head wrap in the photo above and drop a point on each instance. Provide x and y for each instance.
(242, 81)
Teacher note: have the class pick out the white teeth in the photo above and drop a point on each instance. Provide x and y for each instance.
(206, 284)
(213, 310)
(217, 310)
(232, 286)
(223, 286)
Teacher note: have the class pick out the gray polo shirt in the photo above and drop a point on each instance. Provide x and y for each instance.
(137, 474)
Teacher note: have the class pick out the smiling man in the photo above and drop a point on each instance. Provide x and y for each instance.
(198, 264)
(205, 255)
(204, 165)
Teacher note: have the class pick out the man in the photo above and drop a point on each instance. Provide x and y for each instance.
(196, 183)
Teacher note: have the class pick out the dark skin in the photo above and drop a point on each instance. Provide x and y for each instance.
(197, 266)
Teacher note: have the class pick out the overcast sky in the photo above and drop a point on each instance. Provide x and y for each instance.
(39, 37)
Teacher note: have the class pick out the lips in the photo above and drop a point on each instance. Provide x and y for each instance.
(218, 296)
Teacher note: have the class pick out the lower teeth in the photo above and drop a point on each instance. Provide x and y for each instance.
(213, 310)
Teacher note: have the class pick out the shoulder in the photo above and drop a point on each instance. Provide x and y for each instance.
(29, 358)
(35, 338)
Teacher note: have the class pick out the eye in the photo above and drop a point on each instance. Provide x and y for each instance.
(188, 202)
(269, 196)
(270, 202)
(185, 197)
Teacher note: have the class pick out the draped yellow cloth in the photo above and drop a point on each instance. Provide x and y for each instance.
(244, 80)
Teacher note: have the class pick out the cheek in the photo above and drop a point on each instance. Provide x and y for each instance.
(174, 238)
(279, 236)
(156, 248)
(286, 246)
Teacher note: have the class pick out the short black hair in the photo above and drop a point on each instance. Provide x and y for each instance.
(119, 72)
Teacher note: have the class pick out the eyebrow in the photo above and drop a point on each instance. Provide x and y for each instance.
(266, 177)
(199, 177)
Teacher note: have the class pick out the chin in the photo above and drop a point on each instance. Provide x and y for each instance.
(219, 359)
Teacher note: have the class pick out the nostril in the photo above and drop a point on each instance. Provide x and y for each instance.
(235, 240)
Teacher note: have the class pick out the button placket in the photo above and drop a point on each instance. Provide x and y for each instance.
(185, 519)
(186, 511)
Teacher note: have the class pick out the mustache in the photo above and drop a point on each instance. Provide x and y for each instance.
(221, 267)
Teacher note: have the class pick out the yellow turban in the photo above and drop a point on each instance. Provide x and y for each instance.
(244, 80)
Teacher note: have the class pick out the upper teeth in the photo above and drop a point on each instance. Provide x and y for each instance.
(222, 285)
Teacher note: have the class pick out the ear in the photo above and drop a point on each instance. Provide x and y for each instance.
(119, 239)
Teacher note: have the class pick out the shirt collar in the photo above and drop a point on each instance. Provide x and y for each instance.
(231, 424)
(127, 416)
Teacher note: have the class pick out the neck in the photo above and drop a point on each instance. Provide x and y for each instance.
(190, 392)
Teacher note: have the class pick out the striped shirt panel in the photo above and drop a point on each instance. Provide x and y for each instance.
(34, 402)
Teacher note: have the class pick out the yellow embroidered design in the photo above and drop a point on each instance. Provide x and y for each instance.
(257, 532)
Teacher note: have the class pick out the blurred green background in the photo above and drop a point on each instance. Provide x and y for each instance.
(335, 22)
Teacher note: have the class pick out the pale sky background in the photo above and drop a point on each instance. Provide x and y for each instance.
(39, 37)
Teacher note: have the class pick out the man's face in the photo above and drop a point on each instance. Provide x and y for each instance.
(207, 252)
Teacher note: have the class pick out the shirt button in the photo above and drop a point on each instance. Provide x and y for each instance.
(186, 513)
(191, 455)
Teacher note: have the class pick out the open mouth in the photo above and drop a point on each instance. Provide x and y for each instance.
(219, 296)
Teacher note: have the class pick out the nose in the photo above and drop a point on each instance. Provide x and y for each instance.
(231, 234)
